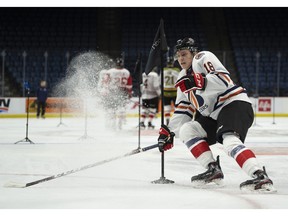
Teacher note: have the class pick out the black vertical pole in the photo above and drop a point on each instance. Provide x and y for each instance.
(139, 116)
(26, 139)
(162, 113)
(85, 136)
(27, 112)
(162, 179)
(273, 110)
(61, 110)
(139, 96)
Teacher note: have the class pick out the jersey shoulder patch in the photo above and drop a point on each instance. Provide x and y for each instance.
(199, 55)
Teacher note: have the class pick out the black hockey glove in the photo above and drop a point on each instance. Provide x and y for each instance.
(165, 139)
(191, 82)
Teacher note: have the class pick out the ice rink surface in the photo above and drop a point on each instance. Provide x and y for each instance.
(125, 183)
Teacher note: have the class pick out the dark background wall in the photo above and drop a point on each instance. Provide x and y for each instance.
(234, 34)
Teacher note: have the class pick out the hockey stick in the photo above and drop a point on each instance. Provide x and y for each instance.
(24, 185)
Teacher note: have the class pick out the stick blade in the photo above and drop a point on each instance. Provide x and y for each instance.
(14, 185)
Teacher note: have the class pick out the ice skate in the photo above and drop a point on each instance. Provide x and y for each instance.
(142, 125)
(261, 183)
(150, 126)
(214, 174)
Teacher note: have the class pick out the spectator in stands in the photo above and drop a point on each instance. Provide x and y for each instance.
(42, 95)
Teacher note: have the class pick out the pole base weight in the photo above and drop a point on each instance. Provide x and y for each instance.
(61, 124)
(85, 137)
(25, 140)
(162, 180)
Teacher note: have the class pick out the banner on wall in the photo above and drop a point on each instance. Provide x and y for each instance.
(12, 105)
(262, 106)
(4, 105)
(265, 105)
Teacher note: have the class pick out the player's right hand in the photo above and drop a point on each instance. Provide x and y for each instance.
(191, 82)
(165, 139)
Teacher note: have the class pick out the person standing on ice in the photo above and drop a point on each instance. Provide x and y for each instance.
(150, 93)
(42, 95)
(210, 108)
(103, 88)
(120, 88)
(170, 74)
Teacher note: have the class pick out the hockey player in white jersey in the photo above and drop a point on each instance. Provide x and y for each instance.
(104, 93)
(120, 91)
(211, 108)
(150, 92)
(170, 74)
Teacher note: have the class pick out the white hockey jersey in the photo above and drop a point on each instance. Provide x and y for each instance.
(150, 87)
(219, 91)
(120, 79)
(206, 62)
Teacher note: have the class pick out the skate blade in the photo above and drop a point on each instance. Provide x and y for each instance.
(216, 183)
(265, 189)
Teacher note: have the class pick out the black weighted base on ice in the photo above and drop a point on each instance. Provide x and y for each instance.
(162, 180)
(61, 123)
(85, 137)
(25, 140)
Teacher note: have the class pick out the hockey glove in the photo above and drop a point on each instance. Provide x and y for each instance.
(165, 139)
(191, 82)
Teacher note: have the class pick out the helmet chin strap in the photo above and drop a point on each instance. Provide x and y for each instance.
(189, 71)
